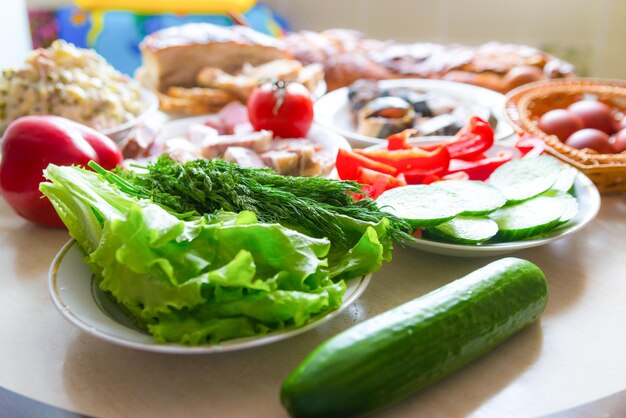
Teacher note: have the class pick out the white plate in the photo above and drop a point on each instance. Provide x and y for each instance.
(333, 109)
(588, 207)
(149, 105)
(82, 303)
(328, 141)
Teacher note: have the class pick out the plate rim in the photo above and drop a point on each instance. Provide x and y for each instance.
(461, 250)
(594, 204)
(324, 119)
(235, 344)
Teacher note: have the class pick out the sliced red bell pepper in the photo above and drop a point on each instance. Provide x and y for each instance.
(459, 175)
(530, 146)
(376, 183)
(349, 162)
(408, 159)
(399, 140)
(480, 169)
(419, 176)
(474, 138)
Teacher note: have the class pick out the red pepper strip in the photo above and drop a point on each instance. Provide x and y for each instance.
(459, 175)
(481, 169)
(408, 159)
(474, 138)
(399, 140)
(378, 182)
(418, 176)
(349, 162)
(530, 146)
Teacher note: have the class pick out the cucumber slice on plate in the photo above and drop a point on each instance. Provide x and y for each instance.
(421, 205)
(522, 179)
(565, 181)
(528, 218)
(570, 207)
(478, 198)
(463, 230)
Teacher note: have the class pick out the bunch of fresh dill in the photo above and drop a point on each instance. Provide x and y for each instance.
(308, 204)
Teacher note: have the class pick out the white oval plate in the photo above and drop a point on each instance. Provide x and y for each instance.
(83, 304)
(588, 206)
(328, 141)
(333, 109)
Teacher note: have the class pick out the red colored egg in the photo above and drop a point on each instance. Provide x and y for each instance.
(619, 141)
(594, 115)
(590, 138)
(561, 123)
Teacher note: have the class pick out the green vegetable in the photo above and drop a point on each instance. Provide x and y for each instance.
(205, 278)
(401, 351)
(421, 205)
(478, 198)
(521, 179)
(532, 217)
(464, 229)
(309, 204)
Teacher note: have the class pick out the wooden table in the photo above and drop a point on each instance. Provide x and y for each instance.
(574, 355)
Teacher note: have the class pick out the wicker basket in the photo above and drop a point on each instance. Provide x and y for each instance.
(525, 105)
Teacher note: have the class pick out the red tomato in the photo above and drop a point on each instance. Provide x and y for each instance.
(594, 114)
(590, 138)
(561, 123)
(619, 142)
(283, 108)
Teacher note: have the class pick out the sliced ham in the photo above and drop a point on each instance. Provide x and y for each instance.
(257, 141)
(245, 157)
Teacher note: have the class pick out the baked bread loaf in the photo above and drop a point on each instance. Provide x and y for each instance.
(173, 57)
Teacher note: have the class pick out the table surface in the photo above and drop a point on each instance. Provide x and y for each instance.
(573, 355)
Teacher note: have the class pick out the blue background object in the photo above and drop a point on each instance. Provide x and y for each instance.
(116, 34)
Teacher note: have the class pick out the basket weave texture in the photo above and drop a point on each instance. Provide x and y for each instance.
(525, 105)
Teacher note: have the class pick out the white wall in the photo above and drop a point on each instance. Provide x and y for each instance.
(590, 33)
(14, 33)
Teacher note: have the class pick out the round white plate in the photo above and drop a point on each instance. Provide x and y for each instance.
(149, 105)
(329, 142)
(588, 207)
(333, 109)
(82, 303)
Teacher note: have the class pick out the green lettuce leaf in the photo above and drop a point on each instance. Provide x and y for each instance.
(206, 278)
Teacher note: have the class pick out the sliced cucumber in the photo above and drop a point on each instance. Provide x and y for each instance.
(478, 198)
(570, 207)
(421, 205)
(565, 180)
(465, 230)
(528, 218)
(522, 179)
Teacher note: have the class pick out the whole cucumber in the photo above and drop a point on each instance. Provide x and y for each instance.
(401, 351)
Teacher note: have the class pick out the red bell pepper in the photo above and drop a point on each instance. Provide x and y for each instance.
(420, 176)
(349, 162)
(400, 140)
(376, 183)
(480, 169)
(409, 159)
(530, 146)
(31, 143)
(473, 139)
